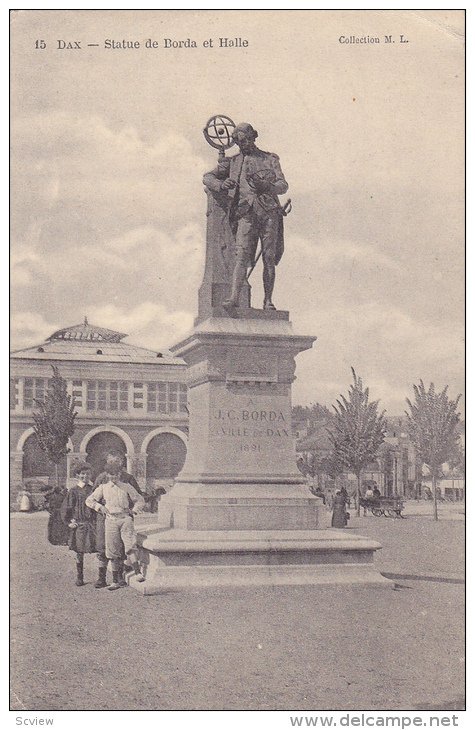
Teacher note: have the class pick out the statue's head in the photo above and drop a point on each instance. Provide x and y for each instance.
(244, 135)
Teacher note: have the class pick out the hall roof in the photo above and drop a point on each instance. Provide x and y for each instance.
(88, 342)
(88, 332)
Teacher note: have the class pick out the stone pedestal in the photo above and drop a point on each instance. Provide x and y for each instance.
(240, 471)
(240, 511)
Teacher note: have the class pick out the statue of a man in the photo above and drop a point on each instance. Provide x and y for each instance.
(252, 179)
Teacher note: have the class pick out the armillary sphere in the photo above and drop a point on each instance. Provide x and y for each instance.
(218, 132)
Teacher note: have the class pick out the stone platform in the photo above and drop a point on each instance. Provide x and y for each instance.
(240, 512)
(174, 559)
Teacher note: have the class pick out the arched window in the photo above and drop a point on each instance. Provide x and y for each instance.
(98, 447)
(166, 455)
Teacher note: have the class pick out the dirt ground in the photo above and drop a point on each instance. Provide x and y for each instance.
(286, 648)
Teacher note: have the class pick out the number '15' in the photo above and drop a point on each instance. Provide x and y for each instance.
(40, 44)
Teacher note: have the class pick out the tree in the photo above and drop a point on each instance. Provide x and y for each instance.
(313, 413)
(54, 423)
(433, 428)
(358, 431)
(457, 461)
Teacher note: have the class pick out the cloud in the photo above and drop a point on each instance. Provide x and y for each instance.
(23, 262)
(348, 296)
(132, 239)
(113, 179)
(331, 251)
(148, 324)
(100, 215)
(387, 347)
(30, 328)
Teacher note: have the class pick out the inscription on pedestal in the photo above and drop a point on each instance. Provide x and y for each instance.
(255, 428)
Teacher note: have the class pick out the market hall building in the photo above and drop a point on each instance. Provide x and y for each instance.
(127, 398)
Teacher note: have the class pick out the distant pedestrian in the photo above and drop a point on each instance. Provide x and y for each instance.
(58, 532)
(24, 501)
(339, 515)
(112, 500)
(80, 519)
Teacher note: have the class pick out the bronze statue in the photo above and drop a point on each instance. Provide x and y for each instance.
(251, 182)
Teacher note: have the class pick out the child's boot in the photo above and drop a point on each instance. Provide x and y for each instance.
(138, 575)
(115, 581)
(122, 581)
(80, 573)
(101, 581)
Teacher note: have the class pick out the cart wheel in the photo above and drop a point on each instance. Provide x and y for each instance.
(392, 513)
(387, 513)
(377, 512)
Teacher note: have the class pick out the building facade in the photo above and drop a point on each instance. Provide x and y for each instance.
(127, 398)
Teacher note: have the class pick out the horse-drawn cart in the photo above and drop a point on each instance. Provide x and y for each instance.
(383, 506)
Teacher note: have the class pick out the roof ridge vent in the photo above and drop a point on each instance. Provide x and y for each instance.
(89, 332)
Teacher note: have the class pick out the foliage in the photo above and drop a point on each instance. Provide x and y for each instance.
(306, 463)
(432, 425)
(457, 461)
(54, 422)
(433, 428)
(313, 413)
(358, 431)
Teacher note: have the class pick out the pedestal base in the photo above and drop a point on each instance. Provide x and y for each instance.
(186, 559)
(256, 506)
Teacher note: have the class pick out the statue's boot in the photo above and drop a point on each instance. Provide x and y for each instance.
(269, 280)
(268, 305)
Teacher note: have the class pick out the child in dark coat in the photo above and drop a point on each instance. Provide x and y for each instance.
(58, 532)
(80, 519)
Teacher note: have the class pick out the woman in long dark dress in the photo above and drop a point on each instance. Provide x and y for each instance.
(58, 532)
(339, 518)
(81, 520)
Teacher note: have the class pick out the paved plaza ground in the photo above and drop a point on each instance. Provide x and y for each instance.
(285, 648)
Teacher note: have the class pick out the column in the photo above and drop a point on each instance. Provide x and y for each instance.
(395, 477)
(21, 385)
(130, 402)
(138, 464)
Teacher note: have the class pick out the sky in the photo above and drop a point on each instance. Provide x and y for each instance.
(108, 209)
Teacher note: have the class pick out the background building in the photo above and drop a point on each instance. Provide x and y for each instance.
(395, 470)
(127, 398)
